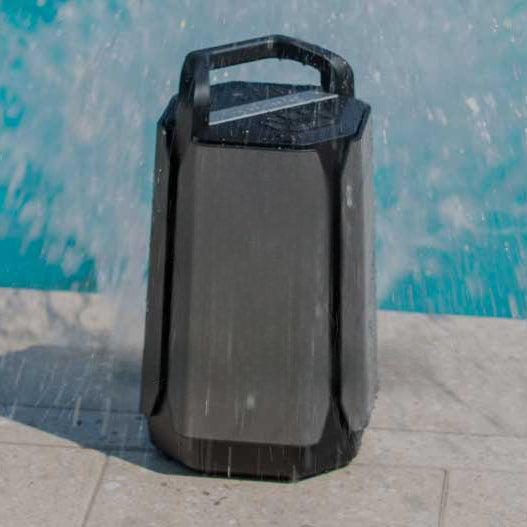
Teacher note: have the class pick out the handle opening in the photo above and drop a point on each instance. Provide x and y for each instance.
(336, 76)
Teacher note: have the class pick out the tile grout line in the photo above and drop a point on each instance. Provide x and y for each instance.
(444, 499)
(71, 408)
(80, 446)
(444, 432)
(469, 468)
(40, 445)
(95, 492)
(379, 428)
(113, 449)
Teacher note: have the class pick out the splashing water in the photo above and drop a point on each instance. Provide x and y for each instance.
(82, 85)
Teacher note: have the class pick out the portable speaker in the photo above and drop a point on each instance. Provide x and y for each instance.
(260, 345)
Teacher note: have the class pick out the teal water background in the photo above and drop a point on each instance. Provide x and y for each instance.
(82, 85)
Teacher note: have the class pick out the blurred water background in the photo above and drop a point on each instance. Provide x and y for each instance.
(82, 84)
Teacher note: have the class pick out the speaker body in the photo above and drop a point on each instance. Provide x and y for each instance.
(260, 343)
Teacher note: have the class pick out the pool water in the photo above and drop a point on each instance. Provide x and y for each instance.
(83, 83)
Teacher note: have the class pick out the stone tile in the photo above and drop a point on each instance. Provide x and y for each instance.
(369, 496)
(453, 374)
(88, 378)
(43, 486)
(69, 427)
(486, 499)
(429, 449)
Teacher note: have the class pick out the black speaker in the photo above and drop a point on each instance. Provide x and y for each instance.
(260, 345)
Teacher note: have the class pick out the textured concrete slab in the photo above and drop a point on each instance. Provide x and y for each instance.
(452, 374)
(46, 486)
(73, 427)
(447, 444)
(432, 369)
(60, 376)
(429, 449)
(486, 499)
(366, 496)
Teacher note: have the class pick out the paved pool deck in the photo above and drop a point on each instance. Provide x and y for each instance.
(447, 444)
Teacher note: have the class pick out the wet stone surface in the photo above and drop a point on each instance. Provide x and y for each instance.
(447, 444)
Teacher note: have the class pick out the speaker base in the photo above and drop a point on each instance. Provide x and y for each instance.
(336, 448)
